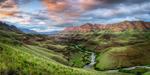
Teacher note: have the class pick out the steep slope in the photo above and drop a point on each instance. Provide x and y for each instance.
(6, 27)
(126, 56)
(18, 61)
(122, 26)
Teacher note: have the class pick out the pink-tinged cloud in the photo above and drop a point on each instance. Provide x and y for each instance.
(55, 9)
(56, 5)
(90, 4)
(8, 8)
(62, 11)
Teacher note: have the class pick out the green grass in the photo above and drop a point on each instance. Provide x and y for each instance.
(115, 49)
(136, 71)
(55, 47)
(21, 60)
(79, 59)
(147, 73)
(45, 53)
(118, 57)
(16, 61)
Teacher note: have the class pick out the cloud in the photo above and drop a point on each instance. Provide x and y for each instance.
(7, 8)
(62, 11)
(65, 13)
(121, 11)
(97, 4)
(2, 1)
(56, 5)
(94, 4)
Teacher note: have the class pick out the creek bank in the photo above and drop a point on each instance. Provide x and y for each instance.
(92, 61)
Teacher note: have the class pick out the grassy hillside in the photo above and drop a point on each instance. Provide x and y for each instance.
(33, 54)
(23, 54)
(147, 73)
(127, 56)
(22, 60)
(18, 61)
(130, 49)
(114, 49)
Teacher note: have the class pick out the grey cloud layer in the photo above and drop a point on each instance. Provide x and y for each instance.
(73, 12)
(119, 9)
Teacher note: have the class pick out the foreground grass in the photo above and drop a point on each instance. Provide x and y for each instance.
(45, 53)
(18, 61)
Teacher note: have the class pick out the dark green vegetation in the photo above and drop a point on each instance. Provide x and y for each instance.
(147, 73)
(33, 54)
(136, 71)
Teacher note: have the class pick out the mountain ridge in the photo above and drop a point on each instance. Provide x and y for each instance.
(28, 31)
(7, 27)
(122, 26)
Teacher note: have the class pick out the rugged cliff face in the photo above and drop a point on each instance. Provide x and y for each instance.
(122, 26)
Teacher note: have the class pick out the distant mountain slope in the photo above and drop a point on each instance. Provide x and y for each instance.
(28, 31)
(6, 27)
(122, 26)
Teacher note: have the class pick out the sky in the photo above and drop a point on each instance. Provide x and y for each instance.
(55, 15)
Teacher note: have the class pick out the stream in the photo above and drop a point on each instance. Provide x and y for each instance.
(92, 61)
